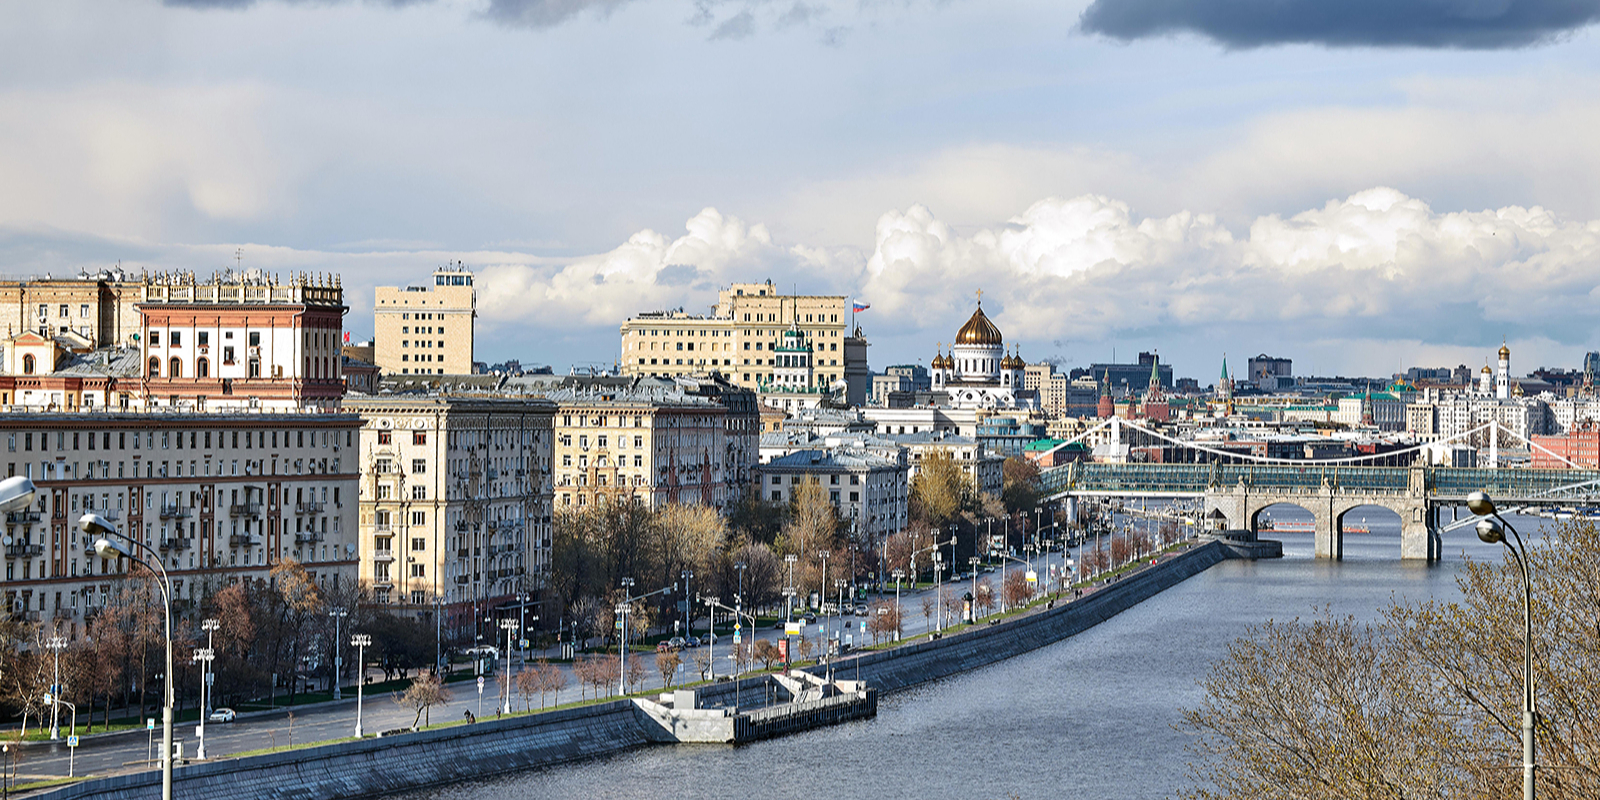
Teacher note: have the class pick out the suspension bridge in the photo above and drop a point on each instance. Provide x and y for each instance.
(1236, 487)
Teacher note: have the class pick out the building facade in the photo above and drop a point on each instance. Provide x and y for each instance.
(427, 330)
(219, 497)
(656, 447)
(869, 491)
(455, 497)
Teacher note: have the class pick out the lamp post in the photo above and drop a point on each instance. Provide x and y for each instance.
(622, 639)
(203, 656)
(1492, 529)
(360, 642)
(898, 623)
(210, 626)
(56, 643)
(822, 598)
(973, 561)
(508, 625)
(96, 525)
(338, 615)
(687, 576)
(738, 608)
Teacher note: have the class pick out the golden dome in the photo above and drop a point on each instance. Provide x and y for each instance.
(1486, 370)
(979, 330)
(1505, 352)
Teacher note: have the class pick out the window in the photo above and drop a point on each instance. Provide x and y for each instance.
(155, 367)
(28, 364)
(83, 310)
(419, 518)
(203, 338)
(384, 492)
(419, 437)
(419, 493)
(385, 437)
(155, 338)
(63, 309)
(202, 368)
(419, 466)
(227, 355)
(419, 543)
(177, 339)
(175, 368)
(255, 338)
(416, 570)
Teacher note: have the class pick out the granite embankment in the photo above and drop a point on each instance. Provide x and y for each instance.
(391, 764)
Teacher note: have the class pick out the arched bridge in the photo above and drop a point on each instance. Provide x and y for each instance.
(1235, 494)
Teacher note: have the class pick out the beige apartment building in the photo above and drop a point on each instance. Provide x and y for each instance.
(455, 502)
(217, 497)
(426, 330)
(99, 308)
(658, 447)
(741, 334)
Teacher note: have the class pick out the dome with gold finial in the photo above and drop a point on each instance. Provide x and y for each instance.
(1486, 370)
(1505, 352)
(1011, 361)
(979, 330)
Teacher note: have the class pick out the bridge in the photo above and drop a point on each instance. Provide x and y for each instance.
(1426, 498)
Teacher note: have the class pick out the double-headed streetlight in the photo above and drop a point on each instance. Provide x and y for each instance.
(97, 526)
(1492, 529)
(898, 574)
(360, 642)
(508, 625)
(56, 643)
(203, 656)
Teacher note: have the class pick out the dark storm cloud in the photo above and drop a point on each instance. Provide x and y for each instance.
(1463, 24)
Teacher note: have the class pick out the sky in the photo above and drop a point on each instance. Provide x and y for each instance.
(1361, 186)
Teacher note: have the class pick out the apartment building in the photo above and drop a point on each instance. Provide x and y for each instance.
(455, 497)
(218, 497)
(741, 334)
(171, 340)
(870, 491)
(242, 340)
(657, 447)
(98, 309)
(427, 330)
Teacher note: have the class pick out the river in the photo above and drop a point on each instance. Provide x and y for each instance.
(1091, 716)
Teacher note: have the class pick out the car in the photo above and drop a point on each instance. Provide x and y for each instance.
(222, 715)
(663, 646)
(861, 609)
(677, 643)
(709, 638)
(692, 641)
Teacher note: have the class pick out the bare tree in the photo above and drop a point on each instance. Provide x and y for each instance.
(883, 622)
(528, 685)
(667, 664)
(425, 692)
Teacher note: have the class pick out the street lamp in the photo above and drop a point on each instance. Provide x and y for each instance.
(360, 642)
(898, 574)
(338, 615)
(973, 561)
(56, 643)
(508, 625)
(97, 526)
(203, 656)
(1492, 529)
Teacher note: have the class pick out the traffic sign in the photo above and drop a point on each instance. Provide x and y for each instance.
(72, 741)
(480, 684)
(736, 636)
(150, 724)
(793, 629)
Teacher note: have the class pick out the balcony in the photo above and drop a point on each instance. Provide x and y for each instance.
(461, 579)
(244, 510)
(176, 511)
(24, 550)
(21, 517)
(386, 554)
(381, 527)
(309, 507)
(463, 553)
(177, 544)
(238, 540)
(307, 538)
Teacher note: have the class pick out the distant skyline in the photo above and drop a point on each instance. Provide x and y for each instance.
(1362, 187)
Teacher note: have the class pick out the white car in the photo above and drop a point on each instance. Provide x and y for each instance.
(222, 715)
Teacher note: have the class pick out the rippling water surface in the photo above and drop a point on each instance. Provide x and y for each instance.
(1088, 717)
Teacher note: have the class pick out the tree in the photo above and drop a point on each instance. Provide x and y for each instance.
(424, 692)
(813, 527)
(985, 597)
(1424, 702)
(940, 489)
(667, 663)
(884, 621)
(1020, 487)
(702, 662)
(766, 652)
(552, 679)
(636, 673)
(529, 684)
(1016, 588)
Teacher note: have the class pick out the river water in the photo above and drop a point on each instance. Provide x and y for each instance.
(1091, 716)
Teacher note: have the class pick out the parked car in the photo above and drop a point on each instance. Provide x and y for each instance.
(677, 643)
(222, 715)
(663, 646)
(861, 609)
(692, 641)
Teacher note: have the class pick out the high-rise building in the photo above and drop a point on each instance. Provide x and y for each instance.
(455, 499)
(741, 334)
(220, 497)
(1270, 373)
(427, 330)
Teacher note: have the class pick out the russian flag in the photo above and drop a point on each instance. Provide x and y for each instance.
(860, 305)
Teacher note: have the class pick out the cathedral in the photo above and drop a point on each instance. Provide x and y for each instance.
(978, 373)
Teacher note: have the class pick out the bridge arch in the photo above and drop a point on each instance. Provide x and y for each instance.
(1275, 508)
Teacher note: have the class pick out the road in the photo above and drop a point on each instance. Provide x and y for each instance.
(128, 751)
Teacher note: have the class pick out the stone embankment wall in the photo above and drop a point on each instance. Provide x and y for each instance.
(409, 761)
